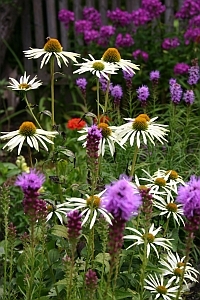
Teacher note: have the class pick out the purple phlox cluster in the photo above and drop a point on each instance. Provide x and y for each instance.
(189, 97)
(181, 68)
(128, 77)
(154, 8)
(117, 94)
(91, 280)
(105, 33)
(73, 225)
(189, 9)
(189, 196)
(143, 94)
(122, 200)
(125, 40)
(92, 15)
(154, 76)
(119, 17)
(194, 75)
(140, 16)
(81, 83)
(138, 54)
(175, 91)
(83, 25)
(30, 183)
(104, 83)
(91, 36)
(169, 43)
(191, 35)
(93, 139)
(194, 22)
(66, 16)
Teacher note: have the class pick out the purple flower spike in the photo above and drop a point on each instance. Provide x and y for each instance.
(175, 91)
(122, 200)
(143, 94)
(194, 75)
(91, 280)
(188, 195)
(30, 181)
(81, 83)
(117, 93)
(154, 76)
(74, 225)
(189, 97)
(93, 139)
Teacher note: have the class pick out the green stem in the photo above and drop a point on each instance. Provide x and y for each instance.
(98, 114)
(30, 285)
(52, 91)
(143, 268)
(30, 156)
(31, 111)
(134, 160)
(106, 95)
(188, 246)
(69, 288)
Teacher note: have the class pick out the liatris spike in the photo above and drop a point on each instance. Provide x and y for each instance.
(74, 225)
(188, 195)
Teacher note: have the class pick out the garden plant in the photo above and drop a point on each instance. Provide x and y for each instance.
(103, 201)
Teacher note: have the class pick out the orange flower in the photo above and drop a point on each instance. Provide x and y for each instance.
(76, 123)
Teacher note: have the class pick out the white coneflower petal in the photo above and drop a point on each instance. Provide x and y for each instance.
(51, 48)
(91, 208)
(142, 128)
(108, 136)
(113, 57)
(29, 133)
(23, 84)
(96, 67)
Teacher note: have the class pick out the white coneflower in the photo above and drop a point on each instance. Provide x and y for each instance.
(113, 57)
(158, 183)
(27, 132)
(96, 67)
(142, 128)
(159, 288)
(168, 207)
(174, 178)
(173, 266)
(152, 240)
(108, 136)
(51, 48)
(24, 84)
(91, 207)
(60, 210)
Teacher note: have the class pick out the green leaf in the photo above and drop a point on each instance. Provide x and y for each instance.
(60, 230)
(103, 259)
